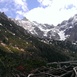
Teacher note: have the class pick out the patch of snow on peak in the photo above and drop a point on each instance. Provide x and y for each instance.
(71, 27)
(62, 35)
(45, 32)
(26, 25)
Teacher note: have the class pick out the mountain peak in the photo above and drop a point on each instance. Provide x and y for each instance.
(3, 15)
(25, 19)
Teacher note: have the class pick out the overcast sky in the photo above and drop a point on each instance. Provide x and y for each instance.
(42, 11)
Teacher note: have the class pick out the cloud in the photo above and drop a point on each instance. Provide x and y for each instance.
(21, 7)
(21, 4)
(45, 2)
(1, 0)
(12, 7)
(49, 11)
(54, 12)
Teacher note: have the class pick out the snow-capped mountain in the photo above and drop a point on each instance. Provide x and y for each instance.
(66, 30)
(37, 29)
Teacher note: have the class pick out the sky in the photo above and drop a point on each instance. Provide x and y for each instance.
(41, 11)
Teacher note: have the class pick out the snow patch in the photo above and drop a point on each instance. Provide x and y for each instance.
(67, 36)
(26, 25)
(74, 43)
(45, 32)
(13, 34)
(62, 35)
(0, 24)
(10, 24)
(71, 27)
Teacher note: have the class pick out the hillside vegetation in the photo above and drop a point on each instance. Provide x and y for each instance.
(20, 52)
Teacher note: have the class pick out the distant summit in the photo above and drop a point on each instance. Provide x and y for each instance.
(25, 19)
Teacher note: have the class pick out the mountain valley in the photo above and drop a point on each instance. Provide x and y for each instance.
(25, 45)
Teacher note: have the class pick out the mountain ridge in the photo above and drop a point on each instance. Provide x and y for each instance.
(62, 31)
